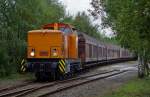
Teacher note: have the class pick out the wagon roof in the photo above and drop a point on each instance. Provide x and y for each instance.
(109, 45)
(91, 39)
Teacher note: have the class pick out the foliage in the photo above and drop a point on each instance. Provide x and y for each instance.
(3, 61)
(111, 40)
(82, 22)
(130, 20)
(17, 17)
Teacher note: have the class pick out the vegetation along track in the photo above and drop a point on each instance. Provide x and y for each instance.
(42, 90)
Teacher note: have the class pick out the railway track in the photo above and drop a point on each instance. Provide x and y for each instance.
(42, 90)
(81, 82)
(15, 90)
(16, 86)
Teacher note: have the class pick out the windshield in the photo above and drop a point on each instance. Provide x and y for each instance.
(65, 29)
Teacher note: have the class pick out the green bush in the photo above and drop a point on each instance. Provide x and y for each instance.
(4, 61)
(11, 53)
(17, 17)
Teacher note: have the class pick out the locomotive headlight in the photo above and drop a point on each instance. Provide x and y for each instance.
(32, 54)
(54, 52)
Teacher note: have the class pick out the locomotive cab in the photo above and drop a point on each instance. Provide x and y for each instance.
(52, 51)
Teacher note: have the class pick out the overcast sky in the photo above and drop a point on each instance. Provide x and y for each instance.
(75, 6)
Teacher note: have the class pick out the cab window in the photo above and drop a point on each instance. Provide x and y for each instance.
(65, 29)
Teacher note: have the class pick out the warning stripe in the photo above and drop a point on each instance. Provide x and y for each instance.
(23, 61)
(61, 69)
(62, 66)
(23, 68)
(63, 62)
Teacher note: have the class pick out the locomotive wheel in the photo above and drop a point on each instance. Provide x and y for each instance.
(73, 72)
(59, 76)
(38, 76)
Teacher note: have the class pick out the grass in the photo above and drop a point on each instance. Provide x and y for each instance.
(135, 88)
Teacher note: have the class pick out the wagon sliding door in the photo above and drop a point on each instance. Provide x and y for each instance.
(81, 49)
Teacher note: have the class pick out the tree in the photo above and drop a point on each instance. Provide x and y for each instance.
(17, 17)
(130, 20)
(83, 23)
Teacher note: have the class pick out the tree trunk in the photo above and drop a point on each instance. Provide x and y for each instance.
(140, 67)
(143, 67)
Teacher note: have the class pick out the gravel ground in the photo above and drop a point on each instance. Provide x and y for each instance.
(102, 87)
(98, 88)
(117, 66)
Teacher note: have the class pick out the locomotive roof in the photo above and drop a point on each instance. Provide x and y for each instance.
(58, 25)
(43, 30)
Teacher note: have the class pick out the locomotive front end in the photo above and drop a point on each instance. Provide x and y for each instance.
(45, 49)
(51, 51)
(45, 44)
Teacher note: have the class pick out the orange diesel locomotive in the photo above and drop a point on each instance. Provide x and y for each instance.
(52, 49)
